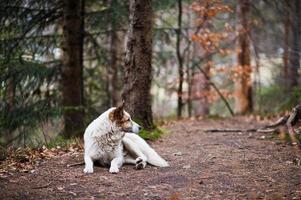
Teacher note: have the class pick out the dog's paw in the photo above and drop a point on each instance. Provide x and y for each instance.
(140, 163)
(114, 170)
(88, 170)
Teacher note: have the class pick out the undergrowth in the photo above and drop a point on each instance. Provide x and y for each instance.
(277, 99)
(282, 137)
(62, 142)
(152, 135)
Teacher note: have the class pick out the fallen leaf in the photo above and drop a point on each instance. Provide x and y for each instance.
(186, 166)
(60, 188)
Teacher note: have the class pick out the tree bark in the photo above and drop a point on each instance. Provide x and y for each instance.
(190, 73)
(294, 43)
(243, 86)
(72, 70)
(138, 68)
(10, 93)
(180, 61)
(116, 51)
(287, 25)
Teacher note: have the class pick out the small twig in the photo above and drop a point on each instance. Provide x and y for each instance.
(259, 130)
(229, 130)
(42, 186)
(76, 164)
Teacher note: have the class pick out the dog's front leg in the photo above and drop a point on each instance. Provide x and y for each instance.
(116, 163)
(88, 164)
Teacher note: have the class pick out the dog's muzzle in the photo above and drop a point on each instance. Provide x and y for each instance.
(136, 127)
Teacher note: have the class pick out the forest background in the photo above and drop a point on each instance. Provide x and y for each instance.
(63, 63)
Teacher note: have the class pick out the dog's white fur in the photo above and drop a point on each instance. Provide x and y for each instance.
(107, 143)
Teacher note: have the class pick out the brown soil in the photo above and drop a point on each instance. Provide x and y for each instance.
(202, 166)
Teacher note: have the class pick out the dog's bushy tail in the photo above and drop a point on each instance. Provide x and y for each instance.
(152, 156)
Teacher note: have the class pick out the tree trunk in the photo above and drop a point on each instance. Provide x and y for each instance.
(189, 82)
(116, 43)
(72, 70)
(113, 70)
(10, 93)
(138, 68)
(243, 86)
(287, 25)
(180, 62)
(294, 43)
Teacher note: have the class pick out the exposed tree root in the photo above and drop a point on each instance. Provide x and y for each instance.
(288, 122)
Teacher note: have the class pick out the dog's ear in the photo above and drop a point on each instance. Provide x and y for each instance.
(118, 113)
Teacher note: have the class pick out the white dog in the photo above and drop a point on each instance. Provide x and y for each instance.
(110, 139)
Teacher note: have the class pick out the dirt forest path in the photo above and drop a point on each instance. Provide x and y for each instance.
(203, 166)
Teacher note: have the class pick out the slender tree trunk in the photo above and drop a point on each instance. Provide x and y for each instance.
(180, 61)
(294, 43)
(113, 70)
(189, 67)
(115, 40)
(10, 93)
(189, 81)
(287, 25)
(138, 68)
(243, 86)
(72, 70)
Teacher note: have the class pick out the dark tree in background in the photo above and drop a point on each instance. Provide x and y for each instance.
(138, 63)
(180, 61)
(243, 86)
(286, 27)
(116, 51)
(72, 70)
(294, 42)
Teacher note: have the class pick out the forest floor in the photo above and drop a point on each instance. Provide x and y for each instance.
(202, 166)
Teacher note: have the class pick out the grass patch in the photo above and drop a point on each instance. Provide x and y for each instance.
(215, 117)
(59, 141)
(152, 135)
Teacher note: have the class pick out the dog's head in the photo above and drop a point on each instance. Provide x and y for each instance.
(123, 120)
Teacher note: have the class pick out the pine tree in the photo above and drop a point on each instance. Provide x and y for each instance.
(72, 70)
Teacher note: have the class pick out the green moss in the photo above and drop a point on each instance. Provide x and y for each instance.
(152, 135)
(62, 142)
(215, 117)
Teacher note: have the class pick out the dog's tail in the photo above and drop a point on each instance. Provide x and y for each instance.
(153, 157)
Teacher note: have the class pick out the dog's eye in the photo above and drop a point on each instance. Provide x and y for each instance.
(128, 120)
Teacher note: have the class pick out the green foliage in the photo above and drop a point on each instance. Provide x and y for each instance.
(276, 99)
(61, 142)
(152, 135)
(281, 138)
(32, 102)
